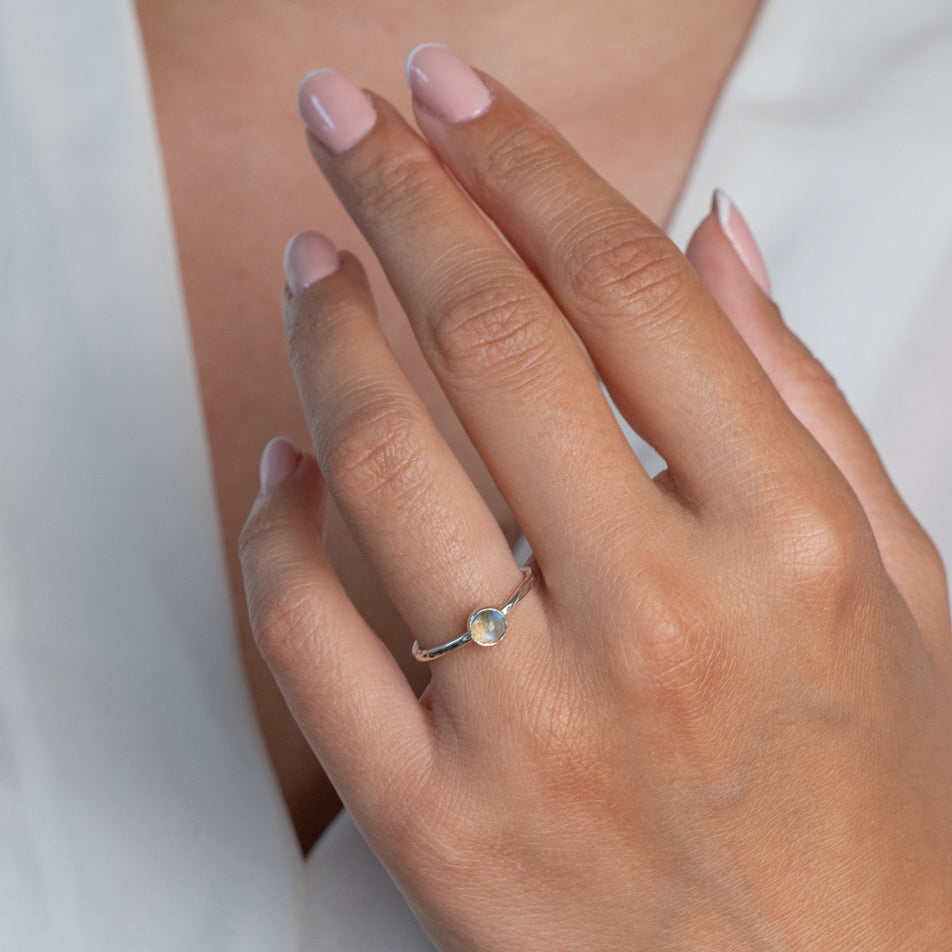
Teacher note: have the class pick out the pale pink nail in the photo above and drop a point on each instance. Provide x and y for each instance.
(738, 233)
(279, 459)
(309, 257)
(441, 81)
(335, 110)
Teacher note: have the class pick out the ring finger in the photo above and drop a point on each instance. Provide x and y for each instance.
(429, 535)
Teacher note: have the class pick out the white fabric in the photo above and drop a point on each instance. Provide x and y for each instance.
(138, 810)
(834, 137)
(137, 806)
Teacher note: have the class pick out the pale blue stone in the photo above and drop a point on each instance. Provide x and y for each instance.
(487, 626)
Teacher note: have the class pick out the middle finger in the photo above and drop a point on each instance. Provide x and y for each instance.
(498, 344)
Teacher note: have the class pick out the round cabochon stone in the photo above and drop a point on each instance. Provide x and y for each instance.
(487, 626)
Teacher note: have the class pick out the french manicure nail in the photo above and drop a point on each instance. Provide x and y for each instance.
(278, 460)
(440, 80)
(738, 233)
(308, 257)
(335, 110)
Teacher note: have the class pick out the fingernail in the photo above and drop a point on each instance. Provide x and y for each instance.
(738, 233)
(279, 459)
(440, 80)
(335, 110)
(309, 257)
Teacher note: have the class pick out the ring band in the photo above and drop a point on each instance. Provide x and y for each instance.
(486, 626)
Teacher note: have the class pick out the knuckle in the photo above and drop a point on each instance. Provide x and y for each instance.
(806, 384)
(393, 183)
(494, 330)
(252, 539)
(932, 562)
(310, 324)
(676, 648)
(374, 453)
(260, 542)
(284, 622)
(621, 273)
(283, 613)
(822, 549)
(929, 565)
(804, 374)
(523, 152)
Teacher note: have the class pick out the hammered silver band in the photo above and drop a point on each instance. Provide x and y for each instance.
(486, 626)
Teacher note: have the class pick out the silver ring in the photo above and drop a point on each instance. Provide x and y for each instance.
(486, 626)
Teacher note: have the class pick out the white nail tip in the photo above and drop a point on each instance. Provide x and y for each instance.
(416, 49)
(724, 206)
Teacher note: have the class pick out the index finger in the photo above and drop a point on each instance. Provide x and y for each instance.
(673, 362)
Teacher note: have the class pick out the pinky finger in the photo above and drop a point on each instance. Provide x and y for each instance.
(343, 686)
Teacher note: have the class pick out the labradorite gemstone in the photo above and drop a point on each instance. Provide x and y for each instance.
(487, 626)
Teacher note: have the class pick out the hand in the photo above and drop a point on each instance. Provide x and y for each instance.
(722, 717)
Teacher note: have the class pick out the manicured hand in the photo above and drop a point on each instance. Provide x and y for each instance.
(722, 718)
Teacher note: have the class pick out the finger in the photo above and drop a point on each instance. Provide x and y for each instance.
(427, 532)
(342, 685)
(499, 347)
(672, 362)
(726, 257)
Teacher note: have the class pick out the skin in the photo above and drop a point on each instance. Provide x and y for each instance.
(723, 717)
(224, 73)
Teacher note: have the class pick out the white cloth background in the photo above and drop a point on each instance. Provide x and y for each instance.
(138, 810)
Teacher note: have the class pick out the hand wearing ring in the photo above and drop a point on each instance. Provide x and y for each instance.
(728, 722)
